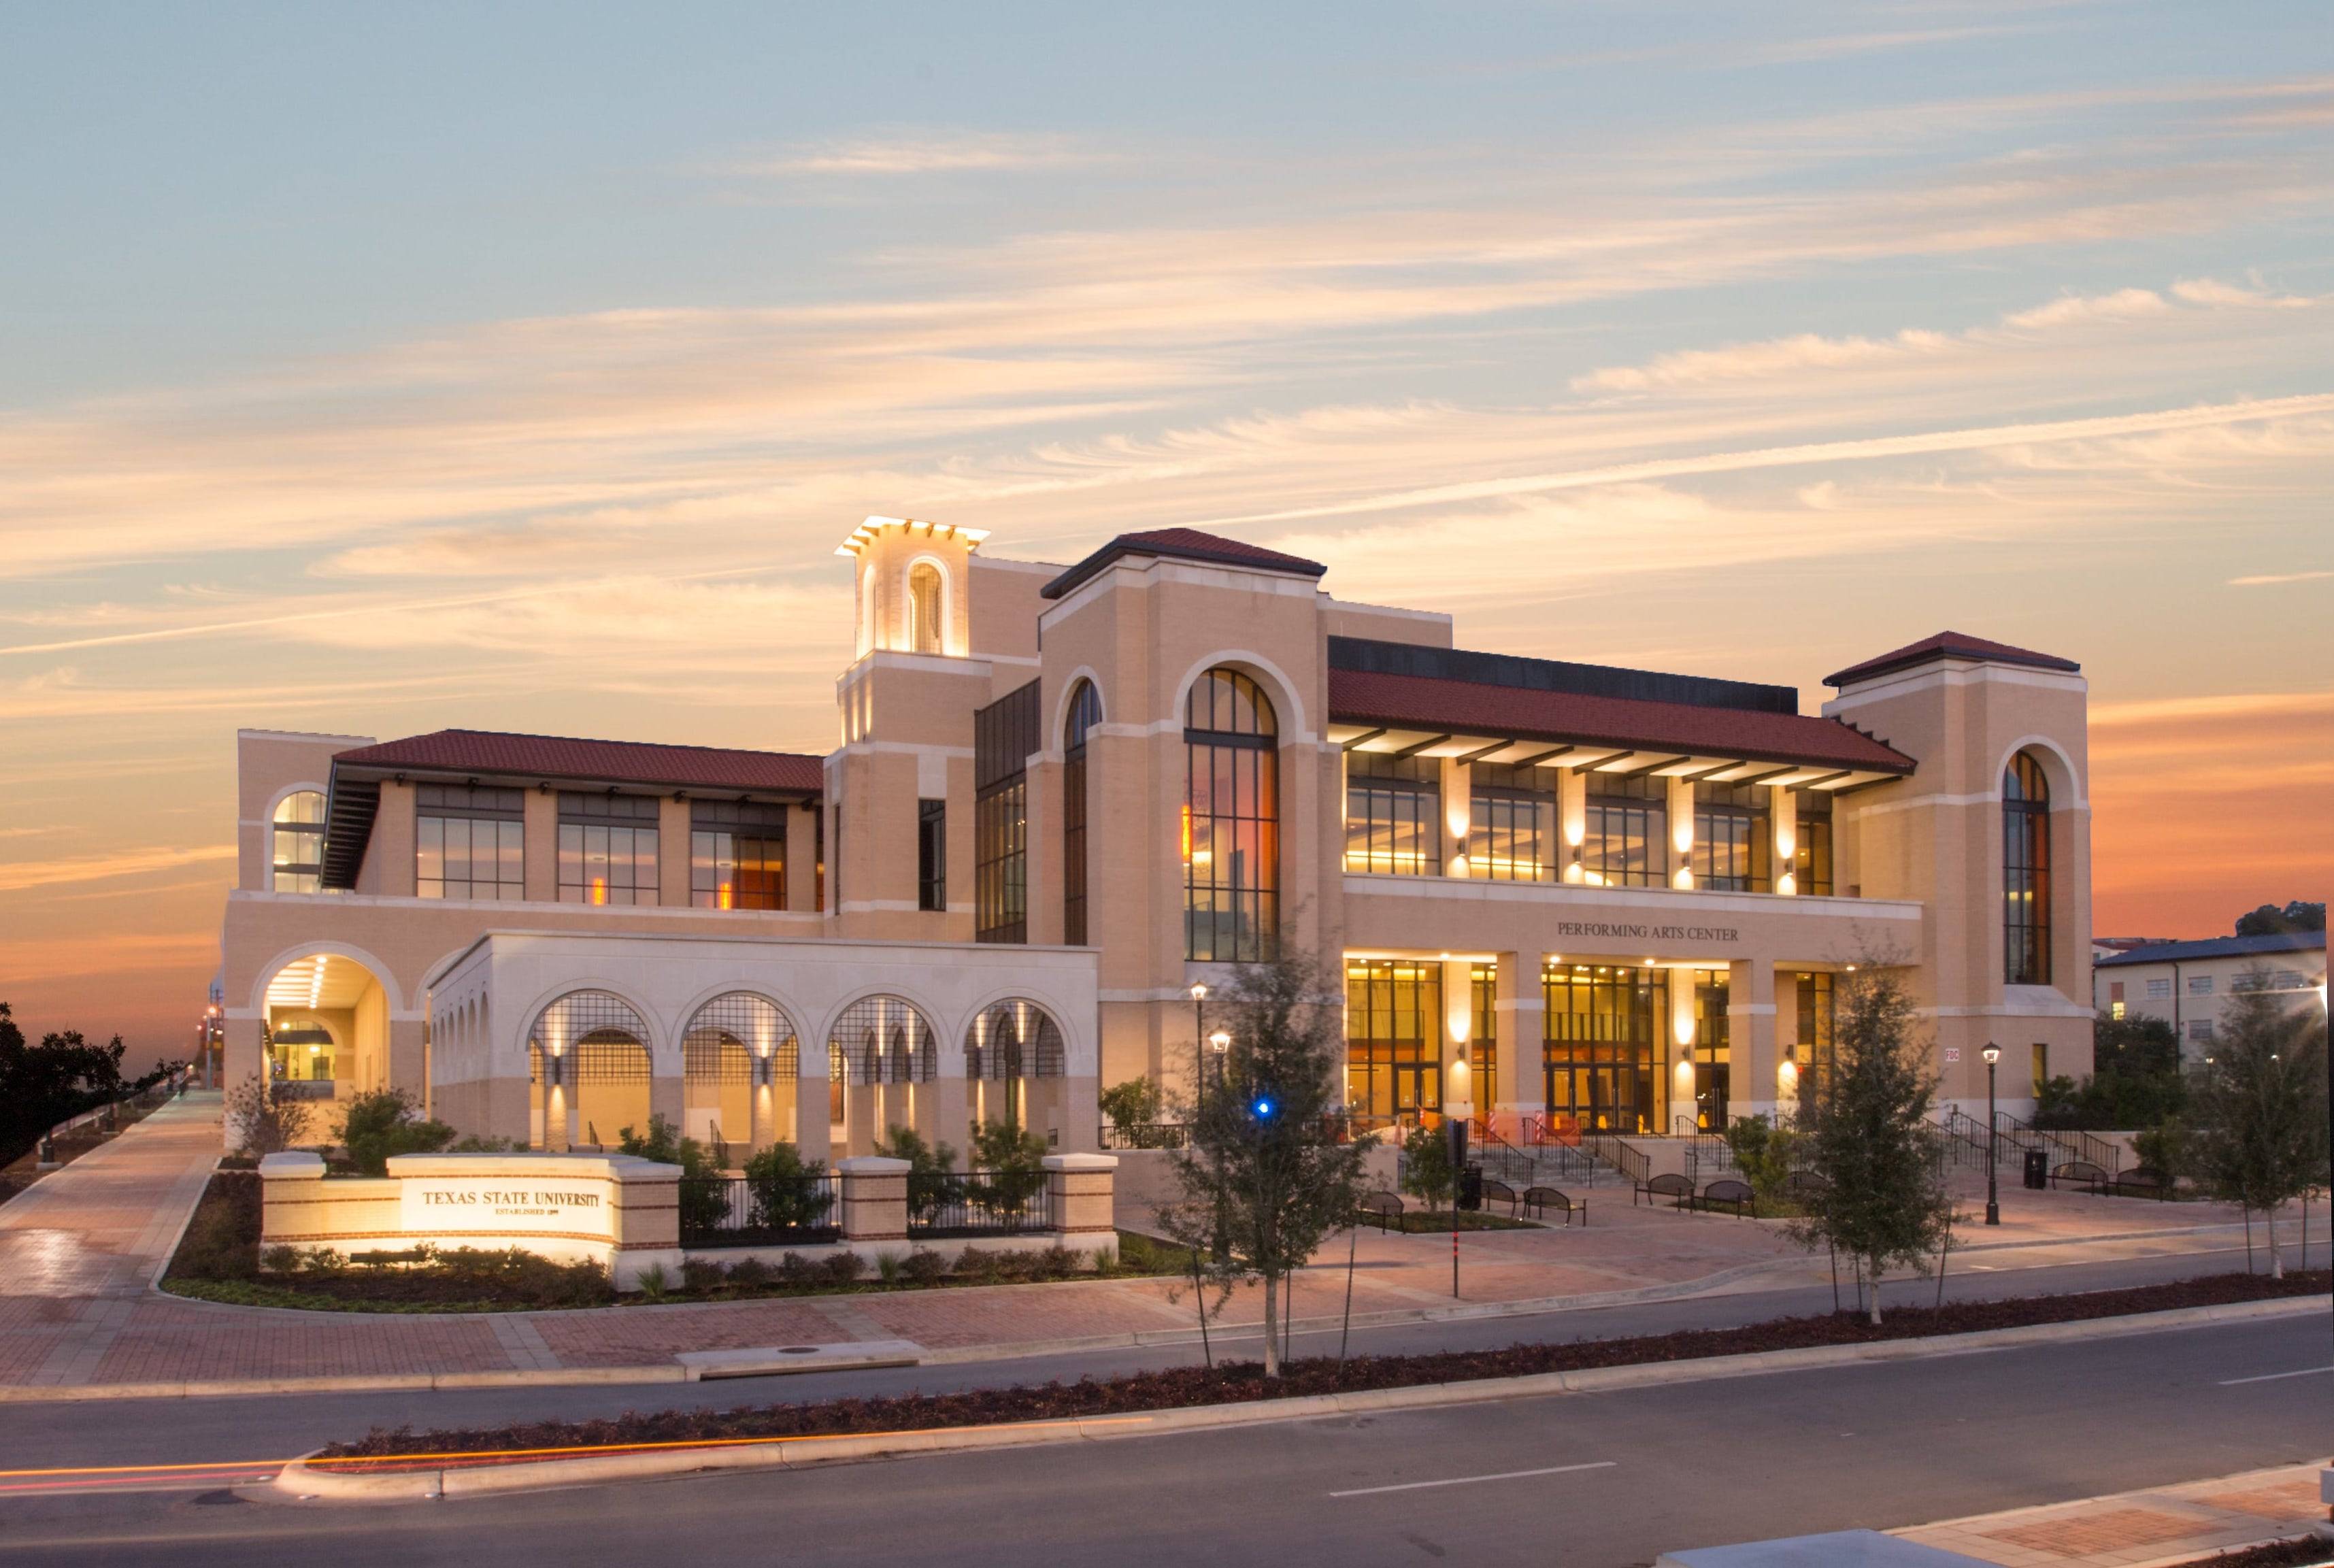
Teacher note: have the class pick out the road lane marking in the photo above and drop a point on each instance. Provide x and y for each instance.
(2273, 1377)
(1470, 1480)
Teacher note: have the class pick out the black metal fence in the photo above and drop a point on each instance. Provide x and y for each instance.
(743, 1211)
(1145, 1135)
(979, 1203)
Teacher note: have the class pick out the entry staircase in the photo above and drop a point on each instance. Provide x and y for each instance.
(1968, 1143)
(1561, 1165)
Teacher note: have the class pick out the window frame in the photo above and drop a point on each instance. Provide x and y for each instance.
(435, 807)
(1232, 750)
(591, 822)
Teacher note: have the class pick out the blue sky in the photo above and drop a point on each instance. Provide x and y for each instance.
(518, 365)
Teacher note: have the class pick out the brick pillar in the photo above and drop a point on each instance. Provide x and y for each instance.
(1080, 1187)
(875, 1198)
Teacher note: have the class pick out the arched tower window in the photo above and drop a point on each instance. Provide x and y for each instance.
(1231, 820)
(2025, 873)
(1085, 712)
(925, 609)
(296, 856)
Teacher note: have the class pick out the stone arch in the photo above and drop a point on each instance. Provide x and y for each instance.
(590, 1066)
(325, 1011)
(740, 1061)
(1286, 701)
(942, 609)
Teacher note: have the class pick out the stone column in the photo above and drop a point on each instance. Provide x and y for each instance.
(1750, 1031)
(1457, 815)
(1680, 845)
(811, 1088)
(1572, 822)
(1081, 1188)
(1462, 1096)
(1521, 1012)
(875, 1198)
(1783, 817)
(1788, 1083)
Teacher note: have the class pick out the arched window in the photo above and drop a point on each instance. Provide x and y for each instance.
(1231, 821)
(925, 609)
(296, 856)
(1085, 712)
(1014, 1039)
(884, 1040)
(602, 1084)
(729, 1033)
(2025, 873)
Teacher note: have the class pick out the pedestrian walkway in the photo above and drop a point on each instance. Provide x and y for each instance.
(2159, 1524)
(79, 1252)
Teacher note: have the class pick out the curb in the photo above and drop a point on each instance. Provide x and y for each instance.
(299, 1479)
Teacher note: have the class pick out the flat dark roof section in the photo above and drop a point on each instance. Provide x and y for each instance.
(1370, 657)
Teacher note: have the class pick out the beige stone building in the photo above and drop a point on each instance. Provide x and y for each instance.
(1565, 897)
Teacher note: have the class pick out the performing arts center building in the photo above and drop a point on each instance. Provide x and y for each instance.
(1565, 897)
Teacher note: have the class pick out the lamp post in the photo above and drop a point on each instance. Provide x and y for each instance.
(1993, 1140)
(1199, 1033)
(1219, 1042)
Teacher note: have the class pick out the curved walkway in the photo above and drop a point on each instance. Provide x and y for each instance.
(80, 1250)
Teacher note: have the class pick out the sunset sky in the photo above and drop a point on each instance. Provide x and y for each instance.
(519, 366)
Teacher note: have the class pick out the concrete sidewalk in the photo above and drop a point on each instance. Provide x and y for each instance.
(78, 1252)
(2159, 1524)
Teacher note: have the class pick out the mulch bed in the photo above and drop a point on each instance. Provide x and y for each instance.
(1238, 1383)
(2308, 1551)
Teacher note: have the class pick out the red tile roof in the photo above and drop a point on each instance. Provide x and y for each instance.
(1182, 545)
(1469, 707)
(1948, 645)
(547, 757)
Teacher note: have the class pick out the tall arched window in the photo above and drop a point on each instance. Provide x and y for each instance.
(1085, 712)
(2025, 873)
(925, 611)
(1231, 821)
(296, 856)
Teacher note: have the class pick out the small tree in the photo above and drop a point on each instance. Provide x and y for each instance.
(1426, 1171)
(1265, 1179)
(381, 1122)
(1880, 1192)
(703, 1203)
(2259, 1133)
(928, 1167)
(1136, 1110)
(1012, 1159)
(263, 1119)
(1764, 1153)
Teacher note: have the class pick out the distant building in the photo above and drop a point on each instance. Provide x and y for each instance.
(2187, 984)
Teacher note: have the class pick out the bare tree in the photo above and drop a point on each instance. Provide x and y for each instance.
(1267, 1176)
(263, 1119)
(1880, 1194)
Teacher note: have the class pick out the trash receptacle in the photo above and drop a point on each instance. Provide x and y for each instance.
(1470, 1188)
(2038, 1168)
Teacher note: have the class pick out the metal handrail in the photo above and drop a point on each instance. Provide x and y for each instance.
(1634, 1166)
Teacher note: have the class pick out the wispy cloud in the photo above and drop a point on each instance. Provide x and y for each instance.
(908, 152)
(18, 875)
(2274, 579)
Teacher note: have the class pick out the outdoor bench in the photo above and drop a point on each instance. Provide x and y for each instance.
(1729, 1194)
(1539, 1200)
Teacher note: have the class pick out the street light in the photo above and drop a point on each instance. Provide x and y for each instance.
(1199, 1033)
(1219, 1042)
(1993, 1054)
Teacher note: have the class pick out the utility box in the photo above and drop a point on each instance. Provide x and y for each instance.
(2038, 1168)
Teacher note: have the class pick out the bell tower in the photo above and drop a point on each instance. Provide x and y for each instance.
(913, 581)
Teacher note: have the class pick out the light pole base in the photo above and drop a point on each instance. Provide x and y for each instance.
(1993, 1212)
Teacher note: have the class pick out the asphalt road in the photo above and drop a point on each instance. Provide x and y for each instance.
(278, 1425)
(1624, 1475)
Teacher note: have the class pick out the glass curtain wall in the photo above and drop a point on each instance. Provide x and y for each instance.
(2025, 873)
(1603, 1048)
(1713, 1054)
(607, 849)
(1394, 814)
(1813, 1050)
(1733, 838)
(1231, 821)
(1484, 1047)
(1004, 735)
(1394, 1040)
(469, 842)
(1511, 823)
(1085, 712)
(736, 855)
(1811, 858)
(1626, 844)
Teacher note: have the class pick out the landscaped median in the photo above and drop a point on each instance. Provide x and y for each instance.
(448, 1463)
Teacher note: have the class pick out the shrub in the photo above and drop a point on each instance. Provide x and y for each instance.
(221, 1240)
(888, 1266)
(263, 1120)
(1012, 1161)
(1136, 1108)
(973, 1263)
(794, 1269)
(1763, 1151)
(1426, 1172)
(700, 1273)
(924, 1267)
(472, 1143)
(654, 1283)
(381, 1122)
(751, 1271)
(280, 1259)
(843, 1268)
(703, 1203)
(781, 1196)
(322, 1260)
